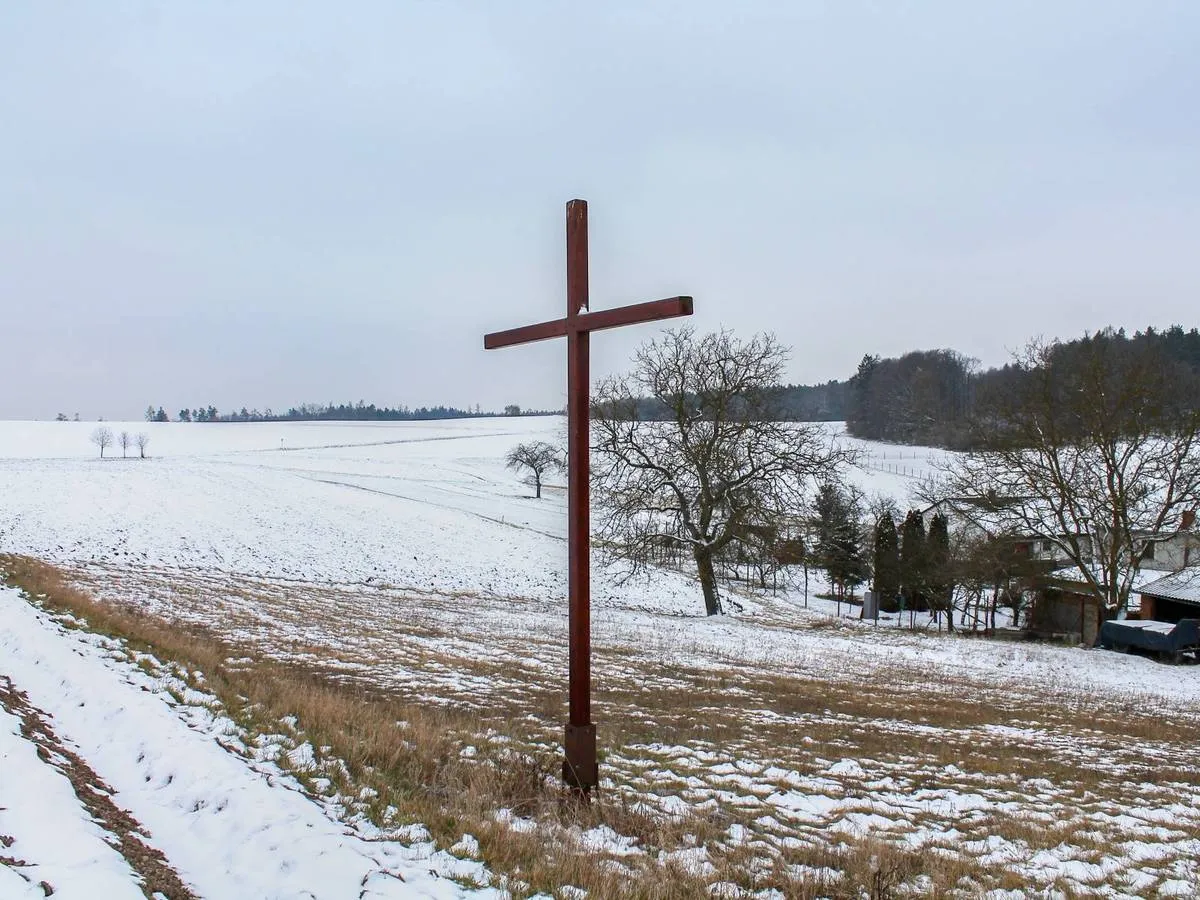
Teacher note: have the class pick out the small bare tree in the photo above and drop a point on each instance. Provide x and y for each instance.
(143, 441)
(102, 437)
(125, 440)
(536, 456)
(691, 452)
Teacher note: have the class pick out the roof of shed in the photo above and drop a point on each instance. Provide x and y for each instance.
(1183, 585)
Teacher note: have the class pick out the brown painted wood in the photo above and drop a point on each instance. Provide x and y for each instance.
(580, 768)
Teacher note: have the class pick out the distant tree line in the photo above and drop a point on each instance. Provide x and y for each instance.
(813, 402)
(341, 412)
(937, 397)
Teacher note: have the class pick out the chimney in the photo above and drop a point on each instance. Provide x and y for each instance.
(1189, 519)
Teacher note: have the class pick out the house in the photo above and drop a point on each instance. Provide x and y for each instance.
(1164, 551)
(1170, 551)
(967, 516)
(971, 519)
(1173, 597)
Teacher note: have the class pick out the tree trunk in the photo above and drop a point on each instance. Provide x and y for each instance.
(708, 580)
(538, 484)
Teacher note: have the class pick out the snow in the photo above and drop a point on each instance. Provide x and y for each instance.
(228, 831)
(430, 508)
(51, 831)
(422, 505)
(1147, 625)
(413, 537)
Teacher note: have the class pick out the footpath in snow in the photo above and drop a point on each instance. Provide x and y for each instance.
(228, 829)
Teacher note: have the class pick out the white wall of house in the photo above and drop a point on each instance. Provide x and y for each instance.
(1173, 552)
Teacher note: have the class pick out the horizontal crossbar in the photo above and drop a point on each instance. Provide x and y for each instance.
(652, 311)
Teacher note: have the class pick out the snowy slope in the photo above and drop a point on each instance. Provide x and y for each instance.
(228, 831)
(418, 505)
(429, 508)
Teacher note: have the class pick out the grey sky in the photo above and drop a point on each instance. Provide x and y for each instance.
(268, 203)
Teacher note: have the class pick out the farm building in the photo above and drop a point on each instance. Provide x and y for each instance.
(1065, 609)
(1173, 597)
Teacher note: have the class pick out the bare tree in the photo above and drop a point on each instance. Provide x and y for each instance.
(690, 451)
(1094, 450)
(125, 440)
(142, 441)
(536, 456)
(102, 437)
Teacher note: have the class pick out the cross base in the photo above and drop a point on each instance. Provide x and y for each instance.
(581, 772)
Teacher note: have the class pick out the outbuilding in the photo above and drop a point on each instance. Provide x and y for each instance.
(1172, 597)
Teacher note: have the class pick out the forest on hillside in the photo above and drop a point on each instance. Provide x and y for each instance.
(938, 397)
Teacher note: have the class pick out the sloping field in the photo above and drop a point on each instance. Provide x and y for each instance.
(789, 745)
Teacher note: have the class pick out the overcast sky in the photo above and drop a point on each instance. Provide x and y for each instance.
(269, 203)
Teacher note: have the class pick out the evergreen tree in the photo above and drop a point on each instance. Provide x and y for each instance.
(913, 565)
(829, 514)
(150, 413)
(939, 577)
(887, 563)
(850, 560)
(161, 415)
(839, 540)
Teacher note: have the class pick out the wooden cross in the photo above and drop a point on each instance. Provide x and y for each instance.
(580, 770)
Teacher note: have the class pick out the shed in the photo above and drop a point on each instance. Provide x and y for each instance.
(1172, 597)
(1067, 609)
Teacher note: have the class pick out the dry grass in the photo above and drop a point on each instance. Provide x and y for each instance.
(332, 678)
(411, 755)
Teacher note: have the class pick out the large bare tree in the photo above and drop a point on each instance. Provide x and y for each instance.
(1094, 448)
(536, 456)
(690, 451)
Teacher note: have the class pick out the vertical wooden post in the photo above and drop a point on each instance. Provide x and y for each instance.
(580, 769)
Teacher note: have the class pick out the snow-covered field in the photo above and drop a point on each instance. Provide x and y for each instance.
(406, 555)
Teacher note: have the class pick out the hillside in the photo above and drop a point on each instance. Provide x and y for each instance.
(401, 567)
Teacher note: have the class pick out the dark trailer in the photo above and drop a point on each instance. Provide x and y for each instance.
(1169, 639)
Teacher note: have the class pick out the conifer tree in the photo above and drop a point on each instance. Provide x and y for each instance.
(850, 562)
(829, 515)
(840, 540)
(938, 575)
(913, 566)
(887, 563)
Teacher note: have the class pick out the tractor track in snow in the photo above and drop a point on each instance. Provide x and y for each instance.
(123, 832)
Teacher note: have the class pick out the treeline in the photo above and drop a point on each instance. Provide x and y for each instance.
(342, 412)
(937, 396)
(813, 402)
